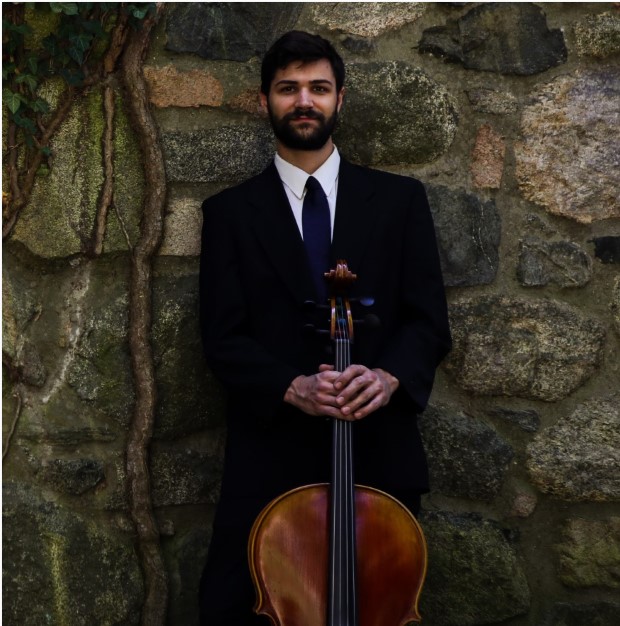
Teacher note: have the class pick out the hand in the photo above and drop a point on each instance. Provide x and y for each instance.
(316, 394)
(360, 391)
(350, 395)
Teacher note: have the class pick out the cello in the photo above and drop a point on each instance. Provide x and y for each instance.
(338, 554)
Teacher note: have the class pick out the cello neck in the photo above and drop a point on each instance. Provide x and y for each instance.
(342, 603)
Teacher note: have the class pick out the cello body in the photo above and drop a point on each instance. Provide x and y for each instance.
(338, 554)
(291, 588)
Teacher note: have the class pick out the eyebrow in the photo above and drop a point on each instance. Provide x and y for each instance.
(317, 81)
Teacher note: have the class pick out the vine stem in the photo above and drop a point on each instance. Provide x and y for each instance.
(140, 318)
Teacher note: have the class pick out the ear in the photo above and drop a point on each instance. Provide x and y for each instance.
(340, 99)
(262, 102)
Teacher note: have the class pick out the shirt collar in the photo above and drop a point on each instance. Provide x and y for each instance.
(295, 178)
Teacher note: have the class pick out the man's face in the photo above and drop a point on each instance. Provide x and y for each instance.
(303, 104)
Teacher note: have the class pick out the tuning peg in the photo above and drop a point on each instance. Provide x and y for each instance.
(370, 321)
(311, 305)
(312, 330)
(363, 300)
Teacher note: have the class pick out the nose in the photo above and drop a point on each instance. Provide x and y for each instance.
(304, 99)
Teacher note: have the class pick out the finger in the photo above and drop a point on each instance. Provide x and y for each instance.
(324, 367)
(349, 374)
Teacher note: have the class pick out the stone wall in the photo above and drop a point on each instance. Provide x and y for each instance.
(509, 112)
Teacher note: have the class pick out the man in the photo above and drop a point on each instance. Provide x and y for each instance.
(261, 264)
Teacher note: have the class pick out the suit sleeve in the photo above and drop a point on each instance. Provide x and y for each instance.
(240, 362)
(422, 338)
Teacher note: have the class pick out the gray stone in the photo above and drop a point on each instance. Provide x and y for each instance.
(229, 31)
(583, 614)
(492, 101)
(526, 419)
(226, 154)
(568, 159)
(598, 35)
(186, 554)
(532, 349)
(394, 114)
(486, 38)
(367, 19)
(187, 475)
(74, 476)
(607, 249)
(589, 553)
(467, 458)
(59, 219)
(474, 574)
(468, 236)
(578, 459)
(62, 568)
(193, 401)
(560, 263)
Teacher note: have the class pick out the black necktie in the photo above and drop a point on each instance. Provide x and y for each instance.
(316, 227)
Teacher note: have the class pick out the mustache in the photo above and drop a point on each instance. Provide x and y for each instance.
(307, 113)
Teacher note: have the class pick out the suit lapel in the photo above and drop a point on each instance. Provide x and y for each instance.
(355, 218)
(279, 235)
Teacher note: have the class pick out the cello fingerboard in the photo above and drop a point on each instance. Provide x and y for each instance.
(342, 580)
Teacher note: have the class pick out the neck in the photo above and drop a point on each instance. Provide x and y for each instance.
(307, 160)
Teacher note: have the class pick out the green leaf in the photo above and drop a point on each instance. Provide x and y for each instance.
(7, 70)
(50, 43)
(40, 106)
(26, 123)
(27, 79)
(12, 100)
(33, 64)
(80, 44)
(46, 150)
(68, 8)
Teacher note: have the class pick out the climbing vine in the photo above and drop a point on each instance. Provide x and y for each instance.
(80, 51)
(93, 45)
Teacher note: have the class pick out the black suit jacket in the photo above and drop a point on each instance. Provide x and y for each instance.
(255, 279)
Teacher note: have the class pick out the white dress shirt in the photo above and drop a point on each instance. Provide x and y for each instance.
(294, 181)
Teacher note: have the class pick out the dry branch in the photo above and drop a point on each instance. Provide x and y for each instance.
(141, 429)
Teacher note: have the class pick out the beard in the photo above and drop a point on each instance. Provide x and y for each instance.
(313, 138)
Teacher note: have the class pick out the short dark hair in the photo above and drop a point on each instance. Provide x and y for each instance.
(297, 45)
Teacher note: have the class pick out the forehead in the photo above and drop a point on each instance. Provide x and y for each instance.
(300, 71)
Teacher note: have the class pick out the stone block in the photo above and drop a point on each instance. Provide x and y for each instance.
(589, 553)
(486, 100)
(578, 458)
(527, 419)
(229, 31)
(73, 476)
(228, 154)
(586, 613)
(368, 19)
(540, 350)
(607, 249)
(474, 574)
(169, 87)
(561, 263)
(568, 159)
(393, 114)
(467, 458)
(486, 38)
(487, 159)
(60, 567)
(598, 35)
(468, 236)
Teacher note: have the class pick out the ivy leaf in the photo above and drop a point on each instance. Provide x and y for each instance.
(28, 79)
(12, 100)
(68, 8)
(94, 27)
(32, 64)
(46, 150)
(40, 106)
(7, 70)
(50, 43)
(80, 44)
(26, 123)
